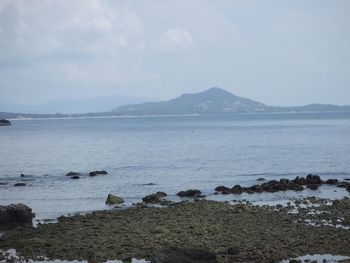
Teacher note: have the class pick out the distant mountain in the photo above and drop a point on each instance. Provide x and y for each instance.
(72, 106)
(211, 101)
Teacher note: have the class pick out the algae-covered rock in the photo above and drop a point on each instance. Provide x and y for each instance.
(16, 214)
(189, 193)
(154, 198)
(112, 200)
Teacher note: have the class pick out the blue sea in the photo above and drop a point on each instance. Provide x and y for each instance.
(172, 152)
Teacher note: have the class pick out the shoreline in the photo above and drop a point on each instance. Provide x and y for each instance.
(264, 234)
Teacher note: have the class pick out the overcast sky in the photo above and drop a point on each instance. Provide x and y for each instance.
(289, 52)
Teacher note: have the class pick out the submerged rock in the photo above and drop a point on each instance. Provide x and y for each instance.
(19, 184)
(189, 193)
(149, 184)
(183, 255)
(112, 200)
(75, 177)
(16, 214)
(72, 174)
(94, 173)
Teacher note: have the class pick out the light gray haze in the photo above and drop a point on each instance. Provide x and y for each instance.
(289, 52)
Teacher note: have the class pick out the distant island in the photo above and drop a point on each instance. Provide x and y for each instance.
(4, 122)
(211, 101)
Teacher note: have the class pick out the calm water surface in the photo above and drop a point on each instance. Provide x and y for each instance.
(174, 153)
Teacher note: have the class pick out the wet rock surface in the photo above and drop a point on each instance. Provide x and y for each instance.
(233, 233)
(72, 174)
(19, 184)
(311, 181)
(113, 199)
(16, 214)
(154, 198)
(95, 173)
(189, 193)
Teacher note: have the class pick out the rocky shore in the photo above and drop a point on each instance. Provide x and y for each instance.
(229, 232)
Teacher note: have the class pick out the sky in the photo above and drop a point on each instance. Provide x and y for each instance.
(289, 52)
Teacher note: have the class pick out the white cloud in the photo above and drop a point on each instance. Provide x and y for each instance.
(40, 28)
(176, 38)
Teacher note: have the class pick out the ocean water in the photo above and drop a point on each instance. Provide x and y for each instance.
(173, 152)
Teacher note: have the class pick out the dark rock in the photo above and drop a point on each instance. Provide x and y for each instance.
(348, 188)
(154, 198)
(94, 173)
(16, 214)
(271, 186)
(343, 184)
(72, 174)
(294, 186)
(3, 183)
(161, 194)
(332, 181)
(4, 122)
(182, 255)
(19, 184)
(22, 175)
(149, 184)
(112, 200)
(284, 181)
(300, 180)
(226, 191)
(294, 261)
(189, 193)
(261, 179)
(222, 188)
(313, 179)
(237, 189)
(347, 179)
(273, 182)
(256, 188)
(75, 177)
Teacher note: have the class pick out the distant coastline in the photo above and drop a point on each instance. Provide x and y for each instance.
(214, 101)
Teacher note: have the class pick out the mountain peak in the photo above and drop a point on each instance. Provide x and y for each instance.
(216, 89)
(211, 101)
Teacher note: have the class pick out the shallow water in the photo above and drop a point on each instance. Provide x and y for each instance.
(173, 152)
(12, 256)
